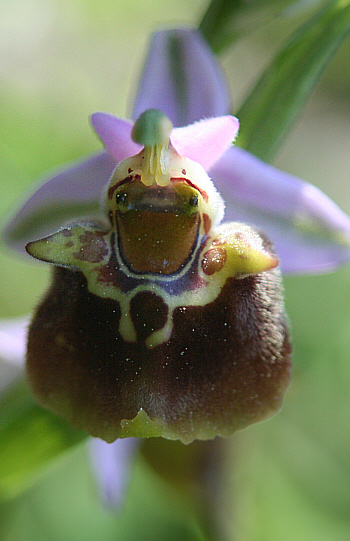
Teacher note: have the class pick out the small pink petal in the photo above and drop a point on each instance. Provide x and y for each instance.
(205, 141)
(115, 133)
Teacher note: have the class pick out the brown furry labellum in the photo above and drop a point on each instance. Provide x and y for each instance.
(182, 370)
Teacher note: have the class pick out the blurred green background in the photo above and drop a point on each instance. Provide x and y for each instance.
(288, 478)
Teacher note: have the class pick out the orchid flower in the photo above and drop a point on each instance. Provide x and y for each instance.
(310, 233)
(128, 345)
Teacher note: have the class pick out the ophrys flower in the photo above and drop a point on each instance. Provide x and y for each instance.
(165, 322)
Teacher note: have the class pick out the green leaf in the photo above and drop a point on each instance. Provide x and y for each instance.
(227, 20)
(281, 92)
(30, 437)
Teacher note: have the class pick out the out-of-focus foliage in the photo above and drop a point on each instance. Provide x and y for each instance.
(288, 81)
(226, 21)
(30, 437)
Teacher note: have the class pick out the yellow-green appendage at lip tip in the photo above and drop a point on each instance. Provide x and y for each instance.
(153, 428)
